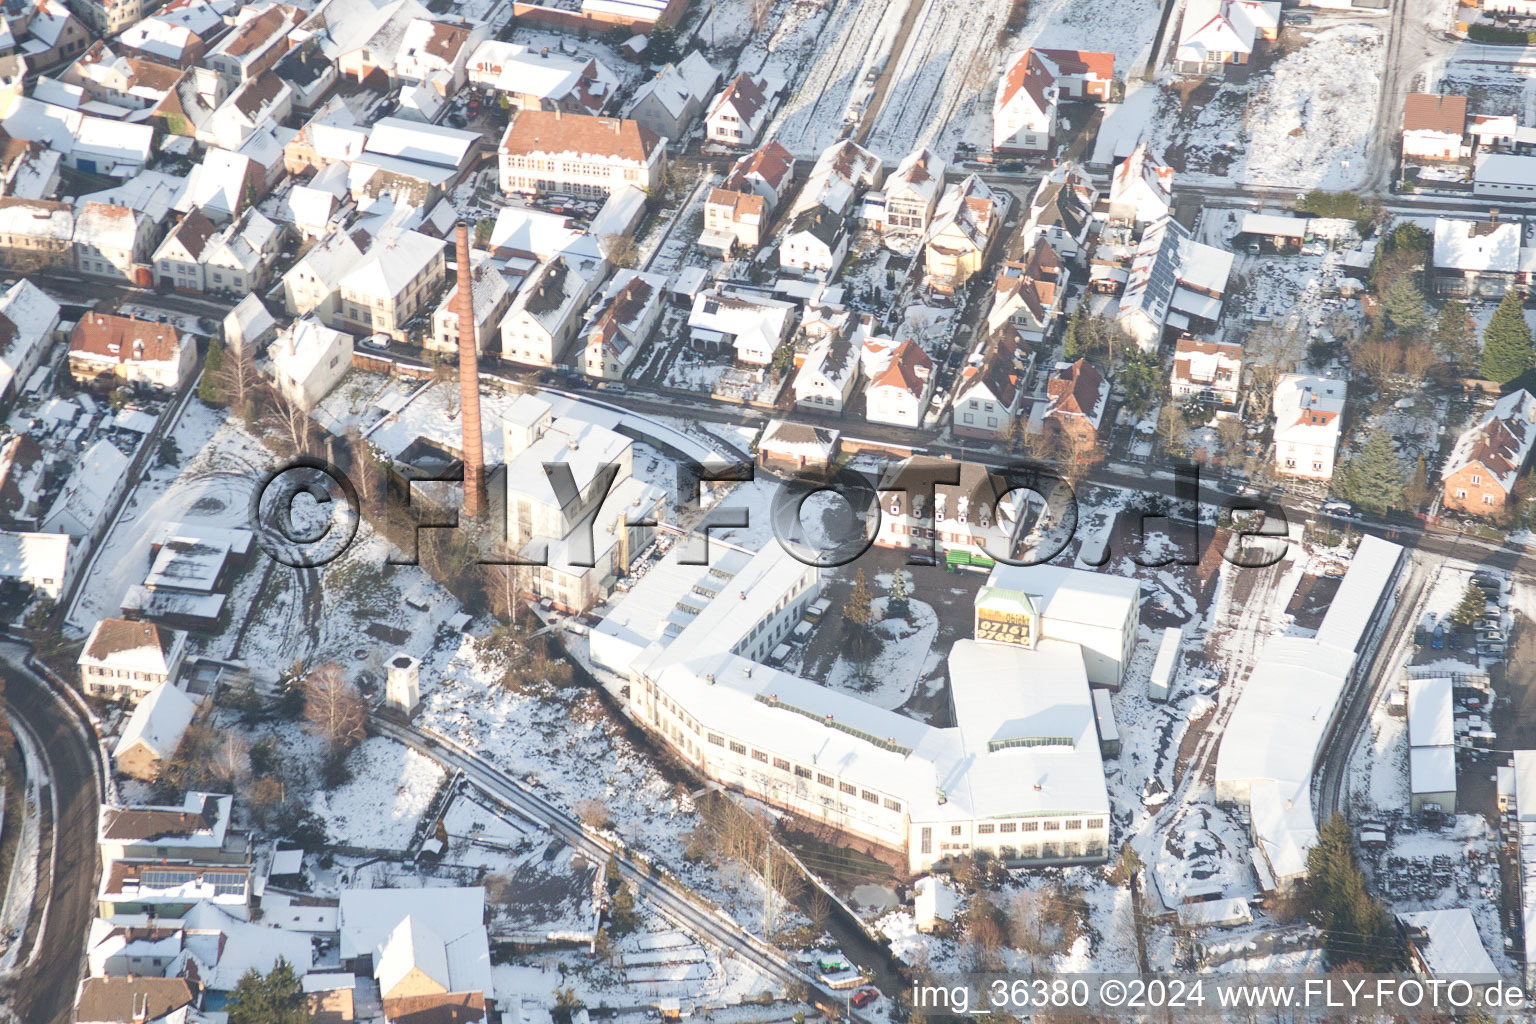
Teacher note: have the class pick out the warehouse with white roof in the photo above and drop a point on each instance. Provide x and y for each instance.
(1288, 707)
(1431, 745)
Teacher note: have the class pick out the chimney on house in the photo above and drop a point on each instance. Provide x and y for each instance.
(1493, 215)
(469, 381)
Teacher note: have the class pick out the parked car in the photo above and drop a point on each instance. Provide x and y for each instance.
(864, 996)
(1486, 580)
(1340, 510)
(1492, 636)
(1437, 638)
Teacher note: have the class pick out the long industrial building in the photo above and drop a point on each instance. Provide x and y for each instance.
(1018, 776)
(1292, 699)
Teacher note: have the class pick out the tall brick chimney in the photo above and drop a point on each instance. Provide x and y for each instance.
(469, 380)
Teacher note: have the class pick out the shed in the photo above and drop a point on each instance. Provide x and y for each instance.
(933, 901)
(1104, 714)
(1166, 668)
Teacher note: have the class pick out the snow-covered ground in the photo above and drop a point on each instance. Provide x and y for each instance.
(19, 890)
(381, 805)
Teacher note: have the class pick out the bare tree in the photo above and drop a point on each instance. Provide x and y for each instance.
(292, 418)
(621, 250)
(231, 760)
(593, 813)
(1172, 427)
(238, 382)
(1376, 357)
(758, 11)
(334, 707)
(1027, 926)
(1271, 351)
(1419, 359)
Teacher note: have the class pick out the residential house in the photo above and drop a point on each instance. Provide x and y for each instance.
(732, 219)
(106, 349)
(179, 33)
(578, 154)
(250, 326)
(1175, 283)
(1478, 259)
(332, 134)
(767, 171)
(41, 561)
(364, 37)
(178, 260)
(436, 54)
(815, 244)
(395, 281)
(313, 284)
(253, 46)
(131, 999)
(239, 259)
(827, 374)
(1141, 189)
(989, 395)
(1479, 475)
(843, 170)
(195, 830)
(1221, 37)
(1030, 295)
(29, 318)
(54, 35)
(739, 113)
(1024, 107)
(170, 891)
(222, 186)
(29, 170)
(912, 192)
(131, 83)
(1308, 418)
(545, 315)
(114, 242)
(308, 359)
(1434, 127)
(36, 235)
(308, 72)
(1061, 212)
(620, 323)
(963, 229)
(538, 79)
(81, 509)
(491, 295)
(256, 102)
(412, 162)
(188, 106)
(791, 447)
(899, 393)
(749, 323)
(153, 732)
(1207, 371)
(124, 660)
(1076, 398)
(668, 102)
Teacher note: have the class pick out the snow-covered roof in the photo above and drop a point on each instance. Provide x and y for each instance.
(1062, 593)
(1432, 770)
(1431, 722)
(138, 647)
(158, 721)
(1373, 565)
(586, 448)
(1486, 246)
(250, 318)
(1451, 946)
(545, 73)
(225, 947)
(392, 263)
(303, 346)
(420, 142)
(368, 918)
(1501, 442)
(1308, 409)
(1505, 169)
(86, 495)
(522, 230)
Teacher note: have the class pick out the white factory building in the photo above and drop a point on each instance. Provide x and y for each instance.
(1025, 604)
(1431, 745)
(1019, 775)
(1283, 718)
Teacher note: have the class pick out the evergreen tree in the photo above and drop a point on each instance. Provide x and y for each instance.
(1373, 478)
(859, 614)
(1456, 334)
(1139, 380)
(622, 918)
(1404, 306)
(899, 603)
(207, 387)
(276, 998)
(1418, 493)
(662, 46)
(1507, 351)
(1470, 609)
(1355, 927)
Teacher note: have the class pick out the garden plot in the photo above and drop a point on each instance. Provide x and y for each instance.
(1491, 90)
(380, 807)
(947, 60)
(825, 57)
